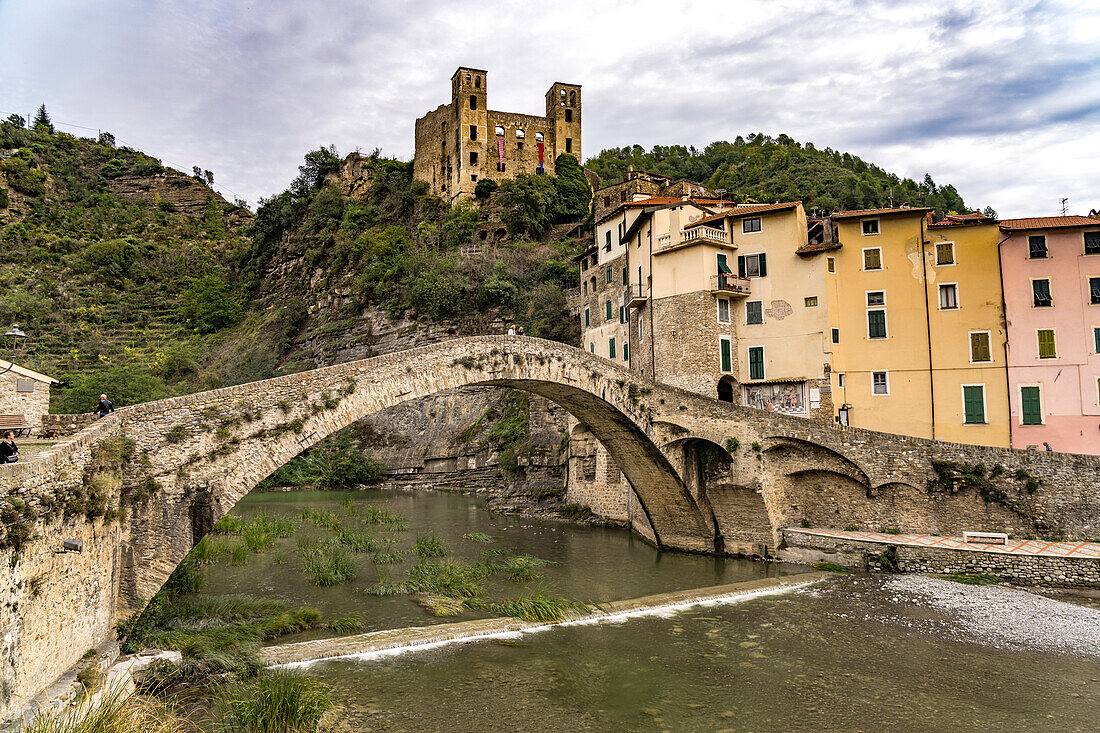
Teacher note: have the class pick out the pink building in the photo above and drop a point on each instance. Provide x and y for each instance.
(1050, 267)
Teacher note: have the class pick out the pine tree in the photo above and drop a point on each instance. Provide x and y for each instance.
(42, 120)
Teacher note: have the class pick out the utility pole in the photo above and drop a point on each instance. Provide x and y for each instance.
(1064, 200)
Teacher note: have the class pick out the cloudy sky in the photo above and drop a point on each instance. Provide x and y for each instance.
(1001, 99)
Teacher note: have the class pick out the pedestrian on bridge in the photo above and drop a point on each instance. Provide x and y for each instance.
(105, 407)
(9, 451)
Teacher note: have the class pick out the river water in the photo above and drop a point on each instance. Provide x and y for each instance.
(845, 654)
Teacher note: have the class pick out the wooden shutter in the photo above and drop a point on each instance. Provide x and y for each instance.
(727, 359)
(763, 264)
(741, 265)
(1047, 348)
(1030, 408)
(756, 362)
(979, 347)
(974, 404)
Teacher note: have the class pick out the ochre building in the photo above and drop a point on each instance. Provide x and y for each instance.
(463, 141)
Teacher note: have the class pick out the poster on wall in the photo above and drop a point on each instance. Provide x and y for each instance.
(788, 398)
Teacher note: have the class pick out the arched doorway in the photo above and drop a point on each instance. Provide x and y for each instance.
(726, 389)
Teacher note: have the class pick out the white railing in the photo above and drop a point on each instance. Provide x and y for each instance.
(663, 239)
(704, 233)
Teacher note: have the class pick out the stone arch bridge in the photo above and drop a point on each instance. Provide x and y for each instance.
(709, 476)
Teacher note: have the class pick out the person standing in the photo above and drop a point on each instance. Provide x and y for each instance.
(9, 451)
(105, 407)
(1046, 445)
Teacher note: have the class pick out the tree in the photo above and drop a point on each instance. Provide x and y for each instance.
(311, 174)
(209, 176)
(574, 193)
(209, 304)
(106, 138)
(485, 187)
(990, 212)
(529, 204)
(17, 120)
(42, 121)
(196, 171)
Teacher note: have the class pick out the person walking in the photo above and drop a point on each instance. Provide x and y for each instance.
(1046, 446)
(9, 451)
(105, 407)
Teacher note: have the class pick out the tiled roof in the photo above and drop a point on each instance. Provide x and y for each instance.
(860, 213)
(1049, 222)
(809, 249)
(953, 220)
(658, 201)
(738, 212)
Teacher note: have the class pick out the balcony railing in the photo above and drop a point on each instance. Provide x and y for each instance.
(730, 284)
(705, 234)
(663, 239)
(634, 296)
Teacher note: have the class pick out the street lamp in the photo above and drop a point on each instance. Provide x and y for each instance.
(15, 334)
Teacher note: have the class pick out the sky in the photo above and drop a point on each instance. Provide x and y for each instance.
(1001, 99)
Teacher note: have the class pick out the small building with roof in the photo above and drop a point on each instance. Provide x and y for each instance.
(24, 392)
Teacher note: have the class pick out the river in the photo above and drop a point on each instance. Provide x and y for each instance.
(848, 653)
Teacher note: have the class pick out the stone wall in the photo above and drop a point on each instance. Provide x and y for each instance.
(686, 354)
(32, 405)
(1019, 569)
(63, 425)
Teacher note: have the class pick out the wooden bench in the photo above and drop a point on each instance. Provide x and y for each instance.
(16, 423)
(991, 538)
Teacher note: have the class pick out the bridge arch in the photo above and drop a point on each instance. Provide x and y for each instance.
(210, 449)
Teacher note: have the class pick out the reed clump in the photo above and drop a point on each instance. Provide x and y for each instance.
(429, 546)
(278, 701)
(538, 607)
(328, 565)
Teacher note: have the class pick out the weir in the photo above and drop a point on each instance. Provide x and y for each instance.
(393, 642)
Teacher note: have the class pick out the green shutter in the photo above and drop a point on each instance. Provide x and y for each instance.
(1096, 339)
(723, 266)
(974, 404)
(876, 324)
(611, 348)
(1030, 408)
(756, 362)
(763, 264)
(727, 357)
(587, 318)
(741, 265)
(979, 347)
(626, 351)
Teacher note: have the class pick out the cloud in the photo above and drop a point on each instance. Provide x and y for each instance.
(999, 98)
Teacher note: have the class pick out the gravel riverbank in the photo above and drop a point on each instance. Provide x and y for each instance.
(1006, 617)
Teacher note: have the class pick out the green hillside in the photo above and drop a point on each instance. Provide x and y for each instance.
(770, 169)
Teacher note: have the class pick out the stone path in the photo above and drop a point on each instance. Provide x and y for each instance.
(1040, 548)
(394, 641)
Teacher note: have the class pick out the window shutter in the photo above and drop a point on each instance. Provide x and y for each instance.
(1029, 406)
(727, 361)
(756, 362)
(973, 404)
(1047, 349)
(763, 264)
(741, 265)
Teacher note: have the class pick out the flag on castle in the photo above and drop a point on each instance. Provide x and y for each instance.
(539, 145)
(500, 154)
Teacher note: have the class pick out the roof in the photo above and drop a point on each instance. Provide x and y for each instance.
(1048, 222)
(861, 213)
(777, 380)
(954, 220)
(656, 201)
(30, 373)
(809, 249)
(738, 212)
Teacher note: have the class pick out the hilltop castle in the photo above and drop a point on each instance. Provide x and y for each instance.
(463, 142)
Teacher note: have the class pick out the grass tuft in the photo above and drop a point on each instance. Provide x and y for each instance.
(278, 701)
(972, 578)
(429, 546)
(537, 607)
(479, 537)
(328, 565)
(350, 624)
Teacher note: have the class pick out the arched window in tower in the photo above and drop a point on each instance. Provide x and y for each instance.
(500, 131)
(573, 98)
(568, 115)
(473, 101)
(467, 78)
(520, 133)
(538, 137)
(477, 82)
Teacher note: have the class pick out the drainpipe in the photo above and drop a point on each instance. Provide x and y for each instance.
(928, 326)
(652, 305)
(1004, 322)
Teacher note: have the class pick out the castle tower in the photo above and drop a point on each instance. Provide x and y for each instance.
(563, 112)
(468, 99)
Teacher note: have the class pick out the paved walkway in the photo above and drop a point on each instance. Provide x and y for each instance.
(1087, 550)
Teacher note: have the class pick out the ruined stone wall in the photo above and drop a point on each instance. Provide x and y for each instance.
(1018, 569)
(435, 159)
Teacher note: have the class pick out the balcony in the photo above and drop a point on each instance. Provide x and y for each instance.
(634, 296)
(705, 234)
(730, 285)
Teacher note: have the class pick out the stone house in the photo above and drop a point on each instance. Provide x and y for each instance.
(24, 392)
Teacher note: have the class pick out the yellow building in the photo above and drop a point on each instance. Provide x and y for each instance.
(916, 326)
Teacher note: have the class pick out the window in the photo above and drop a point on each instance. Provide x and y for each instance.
(538, 137)
(611, 347)
(626, 351)
(1037, 247)
(473, 176)
(949, 296)
(945, 253)
(748, 226)
(520, 134)
(974, 404)
(608, 310)
(1094, 290)
(724, 311)
(568, 115)
(1031, 406)
(473, 158)
(725, 354)
(756, 362)
(880, 383)
(840, 380)
(473, 101)
(979, 346)
(641, 330)
(811, 302)
(499, 131)
(752, 265)
(1096, 339)
(836, 335)
(587, 317)
(830, 264)
(477, 81)
(872, 258)
(473, 132)
(876, 324)
(1047, 349)
(622, 197)
(607, 201)
(622, 314)
(610, 274)
(1092, 243)
(625, 277)
(607, 241)
(869, 226)
(876, 297)
(1040, 291)
(754, 312)
(592, 348)
(569, 145)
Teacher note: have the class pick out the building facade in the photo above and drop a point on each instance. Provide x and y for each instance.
(1051, 272)
(463, 141)
(24, 392)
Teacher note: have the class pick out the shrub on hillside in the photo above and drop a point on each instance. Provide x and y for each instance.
(574, 193)
(485, 188)
(209, 304)
(125, 384)
(529, 204)
(111, 259)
